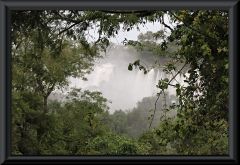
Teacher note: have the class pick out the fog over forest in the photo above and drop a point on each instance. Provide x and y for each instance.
(123, 88)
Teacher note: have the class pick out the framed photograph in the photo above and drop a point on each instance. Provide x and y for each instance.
(187, 56)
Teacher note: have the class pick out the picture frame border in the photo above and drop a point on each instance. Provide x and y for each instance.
(6, 6)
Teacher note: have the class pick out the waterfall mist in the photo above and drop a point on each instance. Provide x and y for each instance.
(122, 87)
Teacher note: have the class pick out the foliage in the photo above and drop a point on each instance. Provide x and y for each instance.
(203, 103)
(50, 46)
(42, 60)
(201, 46)
(133, 122)
(112, 144)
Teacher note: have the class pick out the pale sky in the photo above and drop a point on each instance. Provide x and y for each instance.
(132, 34)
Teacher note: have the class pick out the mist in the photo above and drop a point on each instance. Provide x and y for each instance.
(123, 88)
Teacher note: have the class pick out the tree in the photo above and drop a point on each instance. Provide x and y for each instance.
(79, 120)
(133, 122)
(203, 104)
(41, 62)
(112, 144)
(41, 39)
(201, 44)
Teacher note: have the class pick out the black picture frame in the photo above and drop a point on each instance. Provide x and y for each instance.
(5, 77)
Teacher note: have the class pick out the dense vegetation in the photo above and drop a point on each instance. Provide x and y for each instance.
(50, 46)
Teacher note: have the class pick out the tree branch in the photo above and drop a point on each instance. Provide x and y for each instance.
(162, 91)
(162, 21)
(69, 27)
(187, 25)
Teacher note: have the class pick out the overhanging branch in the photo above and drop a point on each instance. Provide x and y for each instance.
(187, 25)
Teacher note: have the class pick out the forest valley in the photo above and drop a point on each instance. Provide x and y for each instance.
(50, 46)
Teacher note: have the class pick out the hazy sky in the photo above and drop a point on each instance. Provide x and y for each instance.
(132, 34)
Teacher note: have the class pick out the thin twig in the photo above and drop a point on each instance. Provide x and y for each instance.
(161, 93)
(165, 104)
(166, 24)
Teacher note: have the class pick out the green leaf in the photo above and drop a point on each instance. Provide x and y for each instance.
(130, 67)
(178, 91)
(141, 67)
(226, 80)
(177, 85)
(226, 66)
(166, 80)
(165, 86)
(211, 58)
(136, 63)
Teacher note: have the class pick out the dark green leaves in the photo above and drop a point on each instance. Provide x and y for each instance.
(130, 67)
(226, 66)
(136, 63)
(162, 84)
(166, 80)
